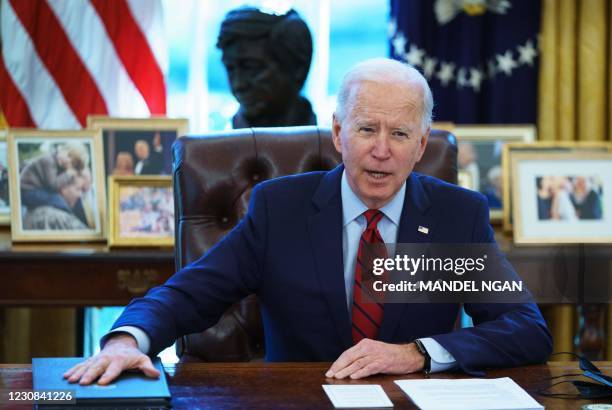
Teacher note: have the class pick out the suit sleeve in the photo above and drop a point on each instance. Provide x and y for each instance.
(195, 297)
(504, 334)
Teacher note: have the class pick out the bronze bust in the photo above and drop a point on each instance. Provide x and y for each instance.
(267, 58)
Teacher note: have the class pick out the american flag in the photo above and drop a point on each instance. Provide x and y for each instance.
(480, 57)
(63, 60)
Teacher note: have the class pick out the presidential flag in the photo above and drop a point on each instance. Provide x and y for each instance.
(63, 60)
(479, 56)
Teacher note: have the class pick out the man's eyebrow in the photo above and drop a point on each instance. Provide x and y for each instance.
(365, 121)
(407, 129)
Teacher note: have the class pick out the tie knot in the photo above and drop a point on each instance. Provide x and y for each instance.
(372, 217)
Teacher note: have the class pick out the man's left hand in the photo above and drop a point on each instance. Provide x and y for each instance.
(370, 357)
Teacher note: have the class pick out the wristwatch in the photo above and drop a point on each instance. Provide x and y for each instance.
(421, 348)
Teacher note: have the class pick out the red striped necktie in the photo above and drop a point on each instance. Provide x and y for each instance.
(367, 312)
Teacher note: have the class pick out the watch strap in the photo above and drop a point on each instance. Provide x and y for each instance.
(421, 348)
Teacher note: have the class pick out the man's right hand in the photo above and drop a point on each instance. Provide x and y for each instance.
(119, 353)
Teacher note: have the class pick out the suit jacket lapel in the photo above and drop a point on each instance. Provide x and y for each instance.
(414, 215)
(325, 230)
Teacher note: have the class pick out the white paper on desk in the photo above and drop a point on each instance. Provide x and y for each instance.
(468, 394)
(357, 395)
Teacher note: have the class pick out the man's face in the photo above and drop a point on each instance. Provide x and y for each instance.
(142, 150)
(259, 84)
(72, 192)
(380, 139)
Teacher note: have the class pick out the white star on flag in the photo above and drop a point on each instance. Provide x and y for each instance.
(506, 63)
(399, 44)
(415, 56)
(429, 66)
(446, 73)
(527, 53)
(476, 78)
(461, 78)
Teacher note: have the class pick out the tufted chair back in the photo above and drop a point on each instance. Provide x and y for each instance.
(213, 178)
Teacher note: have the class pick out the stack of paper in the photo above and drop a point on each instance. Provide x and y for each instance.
(468, 394)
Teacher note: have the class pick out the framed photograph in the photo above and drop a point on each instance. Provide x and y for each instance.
(141, 211)
(562, 197)
(542, 148)
(138, 146)
(445, 126)
(56, 187)
(464, 179)
(5, 208)
(480, 154)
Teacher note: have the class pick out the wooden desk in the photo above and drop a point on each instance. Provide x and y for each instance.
(297, 385)
(78, 275)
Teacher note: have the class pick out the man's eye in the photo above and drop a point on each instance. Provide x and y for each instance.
(252, 65)
(366, 129)
(400, 135)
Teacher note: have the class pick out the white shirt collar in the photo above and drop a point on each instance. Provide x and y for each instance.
(353, 206)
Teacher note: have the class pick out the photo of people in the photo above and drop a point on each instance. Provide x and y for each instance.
(479, 153)
(138, 152)
(482, 161)
(56, 186)
(4, 184)
(138, 146)
(569, 198)
(146, 211)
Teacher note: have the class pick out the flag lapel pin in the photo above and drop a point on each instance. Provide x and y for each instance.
(423, 229)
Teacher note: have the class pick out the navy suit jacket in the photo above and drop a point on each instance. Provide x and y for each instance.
(288, 250)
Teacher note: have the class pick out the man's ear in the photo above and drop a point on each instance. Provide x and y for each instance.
(336, 133)
(423, 143)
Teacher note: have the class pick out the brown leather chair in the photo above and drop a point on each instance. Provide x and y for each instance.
(213, 178)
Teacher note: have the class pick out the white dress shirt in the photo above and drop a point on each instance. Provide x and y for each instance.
(353, 224)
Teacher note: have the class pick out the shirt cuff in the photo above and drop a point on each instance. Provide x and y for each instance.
(142, 339)
(441, 359)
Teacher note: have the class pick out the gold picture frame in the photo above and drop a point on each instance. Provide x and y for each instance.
(443, 125)
(464, 180)
(130, 192)
(541, 147)
(5, 208)
(485, 155)
(64, 203)
(121, 138)
(562, 197)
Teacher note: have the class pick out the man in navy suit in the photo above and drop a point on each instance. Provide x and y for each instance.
(297, 249)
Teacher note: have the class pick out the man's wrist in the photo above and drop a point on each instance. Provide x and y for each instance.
(121, 337)
(426, 357)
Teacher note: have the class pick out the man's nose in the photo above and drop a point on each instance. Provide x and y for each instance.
(381, 149)
(238, 80)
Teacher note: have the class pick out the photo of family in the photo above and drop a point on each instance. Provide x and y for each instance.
(55, 188)
(142, 211)
(479, 154)
(569, 198)
(5, 209)
(138, 152)
(553, 205)
(138, 146)
(146, 212)
(482, 161)
(544, 149)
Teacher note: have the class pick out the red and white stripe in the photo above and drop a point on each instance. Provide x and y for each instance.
(64, 60)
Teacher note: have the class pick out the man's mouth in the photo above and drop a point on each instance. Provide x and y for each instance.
(377, 174)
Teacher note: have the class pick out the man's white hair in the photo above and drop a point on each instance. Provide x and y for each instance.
(385, 70)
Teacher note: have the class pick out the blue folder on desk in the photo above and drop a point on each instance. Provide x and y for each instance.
(131, 389)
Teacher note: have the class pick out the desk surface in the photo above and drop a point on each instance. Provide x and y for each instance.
(298, 385)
